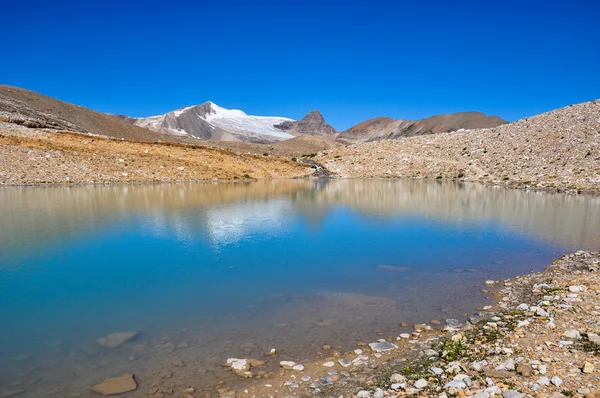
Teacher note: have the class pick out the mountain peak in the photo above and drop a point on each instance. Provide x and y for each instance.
(314, 115)
(313, 123)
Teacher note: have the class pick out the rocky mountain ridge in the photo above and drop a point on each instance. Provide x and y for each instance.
(385, 128)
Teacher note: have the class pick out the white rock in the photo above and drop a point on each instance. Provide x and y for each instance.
(404, 336)
(397, 378)
(421, 383)
(436, 371)
(543, 381)
(298, 368)
(363, 394)
(509, 364)
(522, 307)
(556, 381)
(577, 289)
(287, 364)
(456, 384)
(329, 364)
(378, 393)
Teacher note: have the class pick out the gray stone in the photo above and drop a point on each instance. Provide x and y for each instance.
(454, 323)
(593, 338)
(382, 346)
(421, 383)
(572, 334)
(512, 394)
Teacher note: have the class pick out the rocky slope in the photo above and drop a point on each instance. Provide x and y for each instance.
(555, 150)
(26, 107)
(311, 124)
(212, 122)
(385, 128)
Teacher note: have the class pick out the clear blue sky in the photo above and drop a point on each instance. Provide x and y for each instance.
(353, 60)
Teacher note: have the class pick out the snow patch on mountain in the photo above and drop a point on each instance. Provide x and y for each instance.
(238, 120)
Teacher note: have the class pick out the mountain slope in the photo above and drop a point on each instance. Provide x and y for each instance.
(555, 150)
(212, 122)
(21, 106)
(311, 124)
(383, 128)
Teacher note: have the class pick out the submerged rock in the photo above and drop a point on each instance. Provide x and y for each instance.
(116, 385)
(114, 340)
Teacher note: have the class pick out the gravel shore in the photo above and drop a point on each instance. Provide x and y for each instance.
(539, 339)
(558, 150)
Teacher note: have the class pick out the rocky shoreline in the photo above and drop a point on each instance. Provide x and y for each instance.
(539, 339)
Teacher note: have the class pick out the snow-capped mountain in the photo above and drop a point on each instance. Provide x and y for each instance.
(212, 122)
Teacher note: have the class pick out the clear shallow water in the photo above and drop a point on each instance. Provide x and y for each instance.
(224, 270)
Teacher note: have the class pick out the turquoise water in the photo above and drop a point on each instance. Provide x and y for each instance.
(228, 270)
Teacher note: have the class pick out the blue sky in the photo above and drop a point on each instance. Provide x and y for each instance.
(352, 60)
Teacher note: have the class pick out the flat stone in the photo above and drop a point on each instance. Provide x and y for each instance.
(382, 347)
(344, 362)
(588, 368)
(298, 368)
(114, 340)
(329, 364)
(116, 385)
(572, 334)
(421, 383)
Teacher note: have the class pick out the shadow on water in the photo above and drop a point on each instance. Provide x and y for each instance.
(209, 271)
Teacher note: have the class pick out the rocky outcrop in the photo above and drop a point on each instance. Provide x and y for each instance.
(311, 124)
(385, 128)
